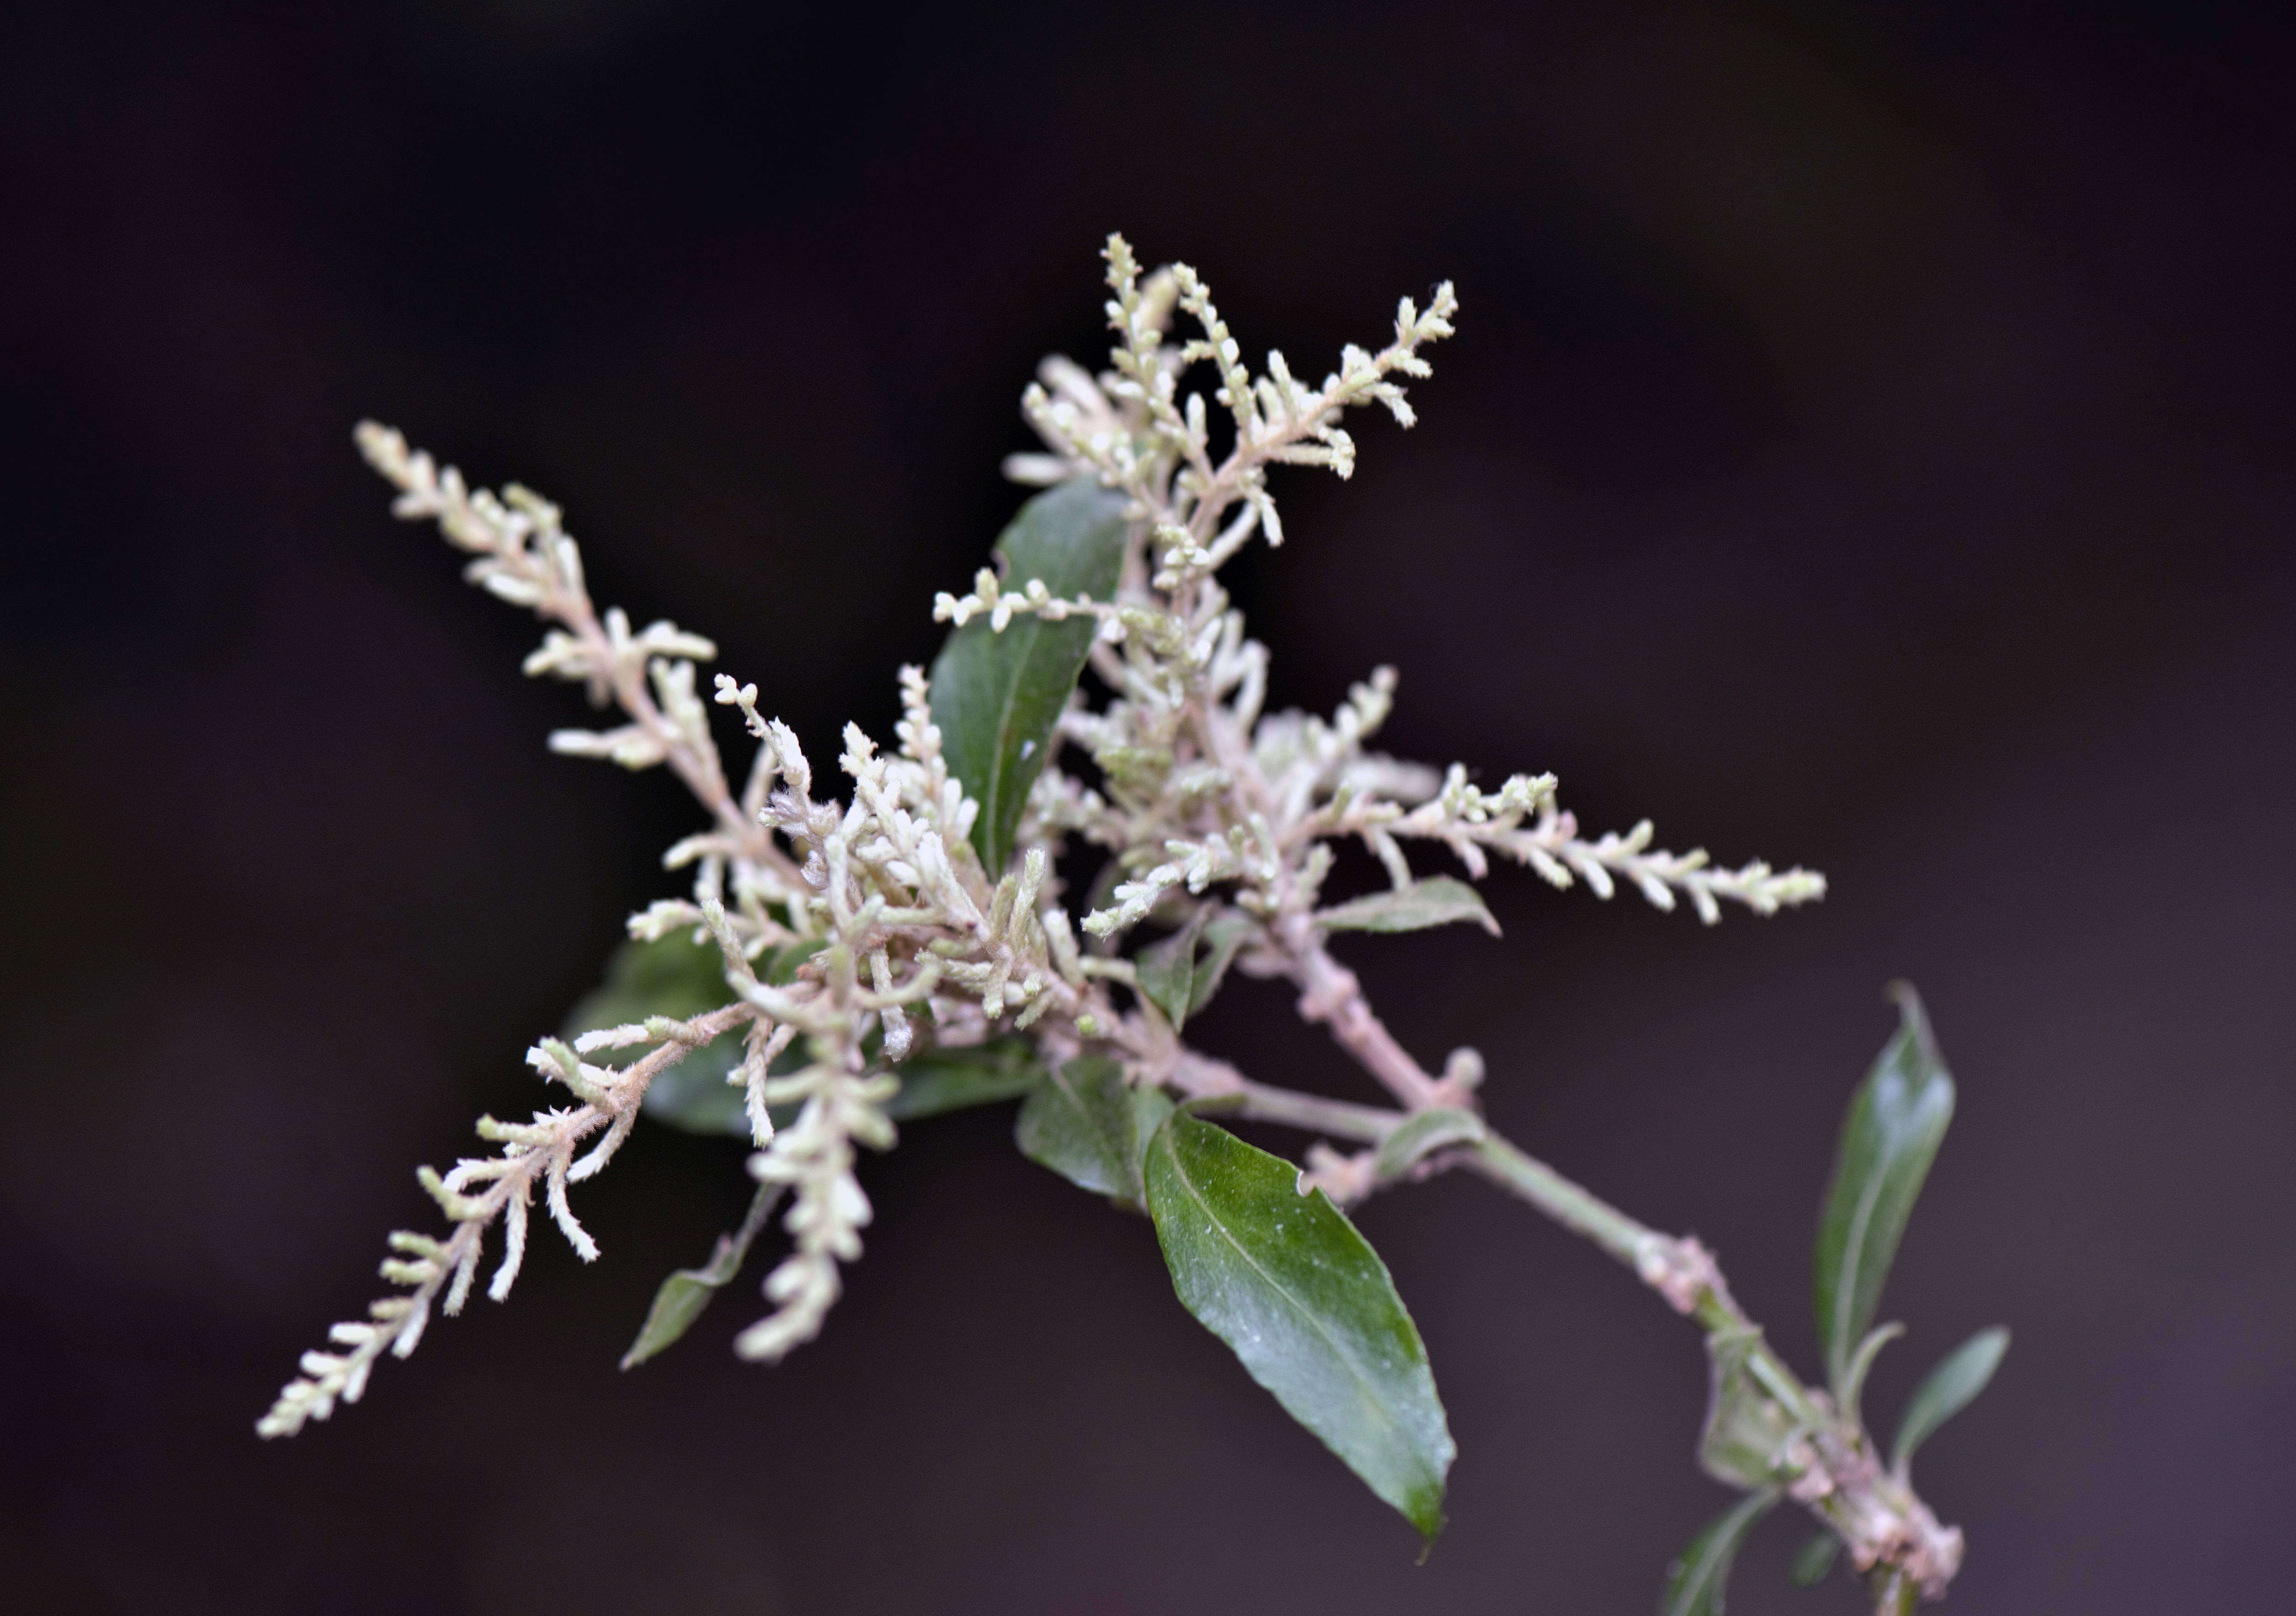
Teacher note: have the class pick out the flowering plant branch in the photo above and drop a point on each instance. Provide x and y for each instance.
(839, 967)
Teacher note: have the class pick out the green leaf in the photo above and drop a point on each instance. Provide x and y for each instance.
(1861, 1364)
(936, 1080)
(1222, 937)
(1422, 1134)
(1815, 1559)
(1747, 1428)
(997, 696)
(685, 1294)
(1950, 1388)
(1178, 978)
(1437, 901)
(1089, 1125)
(1307, 1305)
(1888, 1141)
(675, 977)
(1167, 972)
(783, 969)
(1695, 1583)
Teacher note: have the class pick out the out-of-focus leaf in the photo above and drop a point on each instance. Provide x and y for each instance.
(1422, 1133)
(1437, 901)
(1950, 1388)
(1696, 1583)
(686, 1292)
(997, 696)
(695, 1096)
(1181, 974)
(1167, 971)
(1089, 1125)
(1813, 1560)
(936, 1080)
(783, 970)
(1861, 1365)
(675, 977)
(1222, 937)
(1888, 1141)
(1307, 1305)
(1746, 1430)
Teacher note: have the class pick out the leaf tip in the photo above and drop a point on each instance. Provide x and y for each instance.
(1423, 1508)
(1913, 1018)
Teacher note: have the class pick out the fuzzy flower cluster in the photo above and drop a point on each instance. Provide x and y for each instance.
(1207, 807)
(881, 895)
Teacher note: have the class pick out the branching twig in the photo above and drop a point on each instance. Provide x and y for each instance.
(1219, 818)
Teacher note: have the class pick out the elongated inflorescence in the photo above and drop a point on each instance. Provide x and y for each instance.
(856, 933)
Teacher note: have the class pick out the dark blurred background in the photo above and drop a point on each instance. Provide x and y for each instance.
(1867, 444)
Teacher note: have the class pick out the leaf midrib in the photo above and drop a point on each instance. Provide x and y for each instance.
(1845, 1291)
(992, 802)
(1354, 1368)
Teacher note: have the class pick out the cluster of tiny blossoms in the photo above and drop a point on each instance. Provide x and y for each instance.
(884, 891)
(1206, 806)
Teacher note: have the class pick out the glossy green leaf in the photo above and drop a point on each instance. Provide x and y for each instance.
(1181, 974)
(1089, 1125)
(938, 1080)
(1950, 1388)
(686, 1292)
(1437, 901)
(1813, 1560)
(1696, 1583)
(1305, 1304)
(997, 696)
(1888, 1141)
(675, 977)
(1423, 1133)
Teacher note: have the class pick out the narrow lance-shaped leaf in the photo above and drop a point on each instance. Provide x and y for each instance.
(1888, 1141)
(686, 1292)
(995, 697)
(1695, 1583)
(1950, 1388)
(1437, 901)
(1166, 970)
(1089, 1125)
(1305, 1304)
(1222, 937)
(1180, 975)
